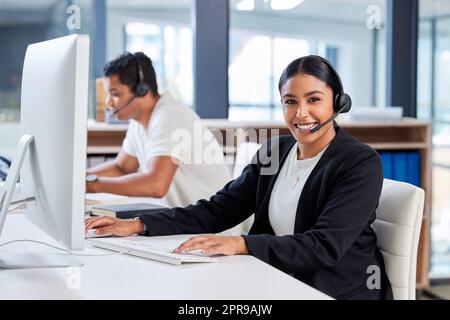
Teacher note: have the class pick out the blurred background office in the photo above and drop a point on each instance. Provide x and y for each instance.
(224, 57)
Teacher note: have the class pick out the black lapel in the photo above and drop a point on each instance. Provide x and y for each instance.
(262, 214)
(327, 156)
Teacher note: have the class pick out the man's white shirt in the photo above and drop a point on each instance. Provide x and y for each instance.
(175, 130)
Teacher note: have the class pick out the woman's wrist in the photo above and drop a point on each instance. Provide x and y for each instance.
(243, 246)
(137, 226)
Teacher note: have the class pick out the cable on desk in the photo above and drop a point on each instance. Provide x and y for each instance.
(19, 207)
(20, 202)
(62, 249)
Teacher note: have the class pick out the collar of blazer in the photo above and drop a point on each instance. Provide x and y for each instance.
(279, 147)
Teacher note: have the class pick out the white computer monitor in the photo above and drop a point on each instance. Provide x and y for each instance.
(51, 155)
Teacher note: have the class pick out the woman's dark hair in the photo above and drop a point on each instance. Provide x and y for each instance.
(314, 66)
(125, 67)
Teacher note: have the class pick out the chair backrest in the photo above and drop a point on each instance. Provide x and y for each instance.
(397, 225)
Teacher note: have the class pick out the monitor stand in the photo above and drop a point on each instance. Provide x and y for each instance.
(29, 260)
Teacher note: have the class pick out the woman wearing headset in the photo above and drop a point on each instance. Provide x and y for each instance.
(313, 214)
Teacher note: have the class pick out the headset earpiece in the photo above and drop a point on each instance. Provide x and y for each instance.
(141, 88)
(345, 103)
(342, 102)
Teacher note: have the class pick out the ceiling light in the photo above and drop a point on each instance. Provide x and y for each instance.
(284, 4)
(246, 5)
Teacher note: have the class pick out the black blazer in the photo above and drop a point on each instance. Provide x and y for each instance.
(333, 243)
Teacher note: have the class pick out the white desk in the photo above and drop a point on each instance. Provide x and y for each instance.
(127, 277)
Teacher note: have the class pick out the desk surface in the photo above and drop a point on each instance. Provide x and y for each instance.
(127, 277)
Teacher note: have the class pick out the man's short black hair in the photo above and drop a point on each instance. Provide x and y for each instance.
(125, 67)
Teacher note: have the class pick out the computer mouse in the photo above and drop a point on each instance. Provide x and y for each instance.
(91, 234)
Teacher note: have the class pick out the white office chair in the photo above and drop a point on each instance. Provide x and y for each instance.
(397, 225)
(244, 154)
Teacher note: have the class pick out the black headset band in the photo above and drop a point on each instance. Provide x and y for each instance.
(331, 68)
(140, 73)
(141, 88)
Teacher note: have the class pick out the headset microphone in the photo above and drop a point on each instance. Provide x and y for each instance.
(345, 108)
(125, 105)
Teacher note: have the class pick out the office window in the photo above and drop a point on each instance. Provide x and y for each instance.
(127, 28)
(22, 23)
(162, 30)
(265, 35)
(433, 104)
(253, 85)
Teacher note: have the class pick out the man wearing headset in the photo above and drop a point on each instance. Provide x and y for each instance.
(157, 157)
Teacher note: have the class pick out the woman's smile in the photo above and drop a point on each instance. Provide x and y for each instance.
(305, 127)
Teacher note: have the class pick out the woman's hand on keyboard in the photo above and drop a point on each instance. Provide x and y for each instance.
(213, 244)
(114, 226)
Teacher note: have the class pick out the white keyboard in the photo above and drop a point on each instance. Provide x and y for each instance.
(139, 249)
